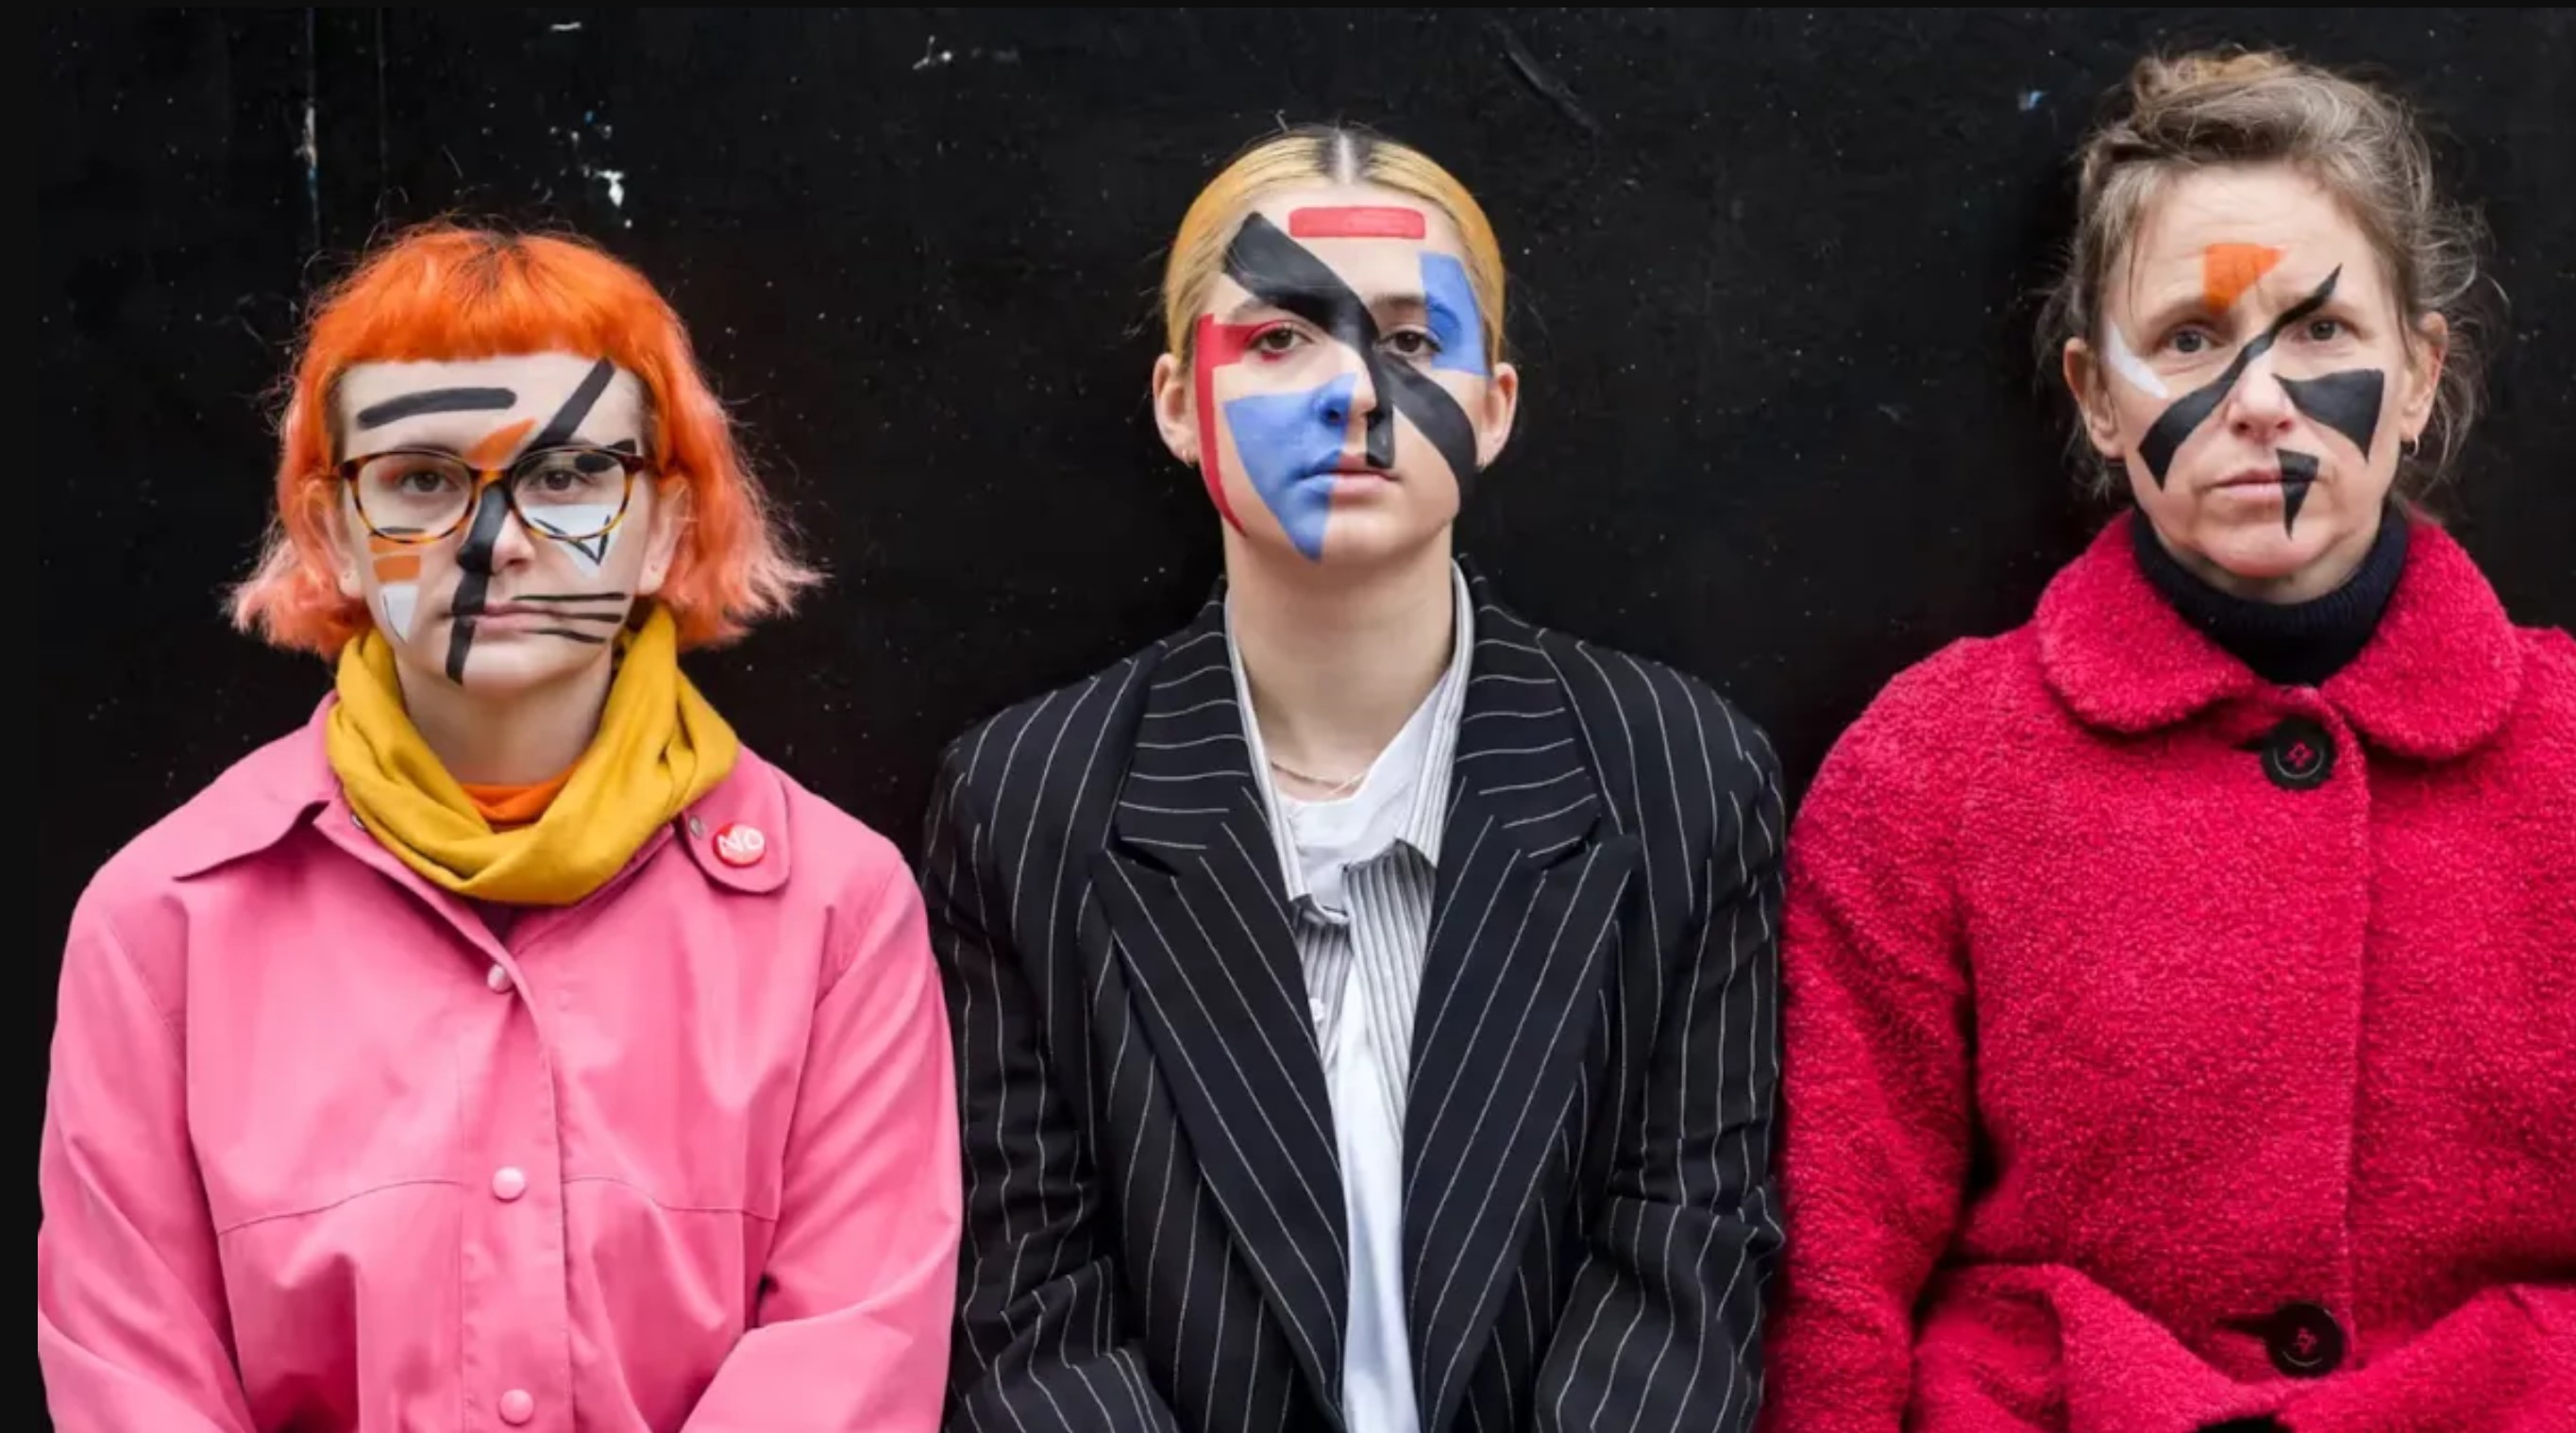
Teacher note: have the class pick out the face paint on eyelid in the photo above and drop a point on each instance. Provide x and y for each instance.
(2176, 424)
(1455, 319)
(1288, 444)
(1285, 274)
(2125, 362)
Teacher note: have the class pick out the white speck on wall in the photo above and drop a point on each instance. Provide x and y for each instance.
(614, 181)
(2030, 99)
(310, 151)
(932, 55)
(564, 27)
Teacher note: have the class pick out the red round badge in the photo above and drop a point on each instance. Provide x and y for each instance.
(740, 845)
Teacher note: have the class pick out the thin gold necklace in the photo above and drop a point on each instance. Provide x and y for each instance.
(1333, 790)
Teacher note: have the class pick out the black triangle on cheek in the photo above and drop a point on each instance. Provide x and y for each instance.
(2347, 402)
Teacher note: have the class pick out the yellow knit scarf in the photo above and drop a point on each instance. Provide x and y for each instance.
(659, 747)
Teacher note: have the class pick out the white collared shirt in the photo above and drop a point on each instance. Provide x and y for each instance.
(1358, 873)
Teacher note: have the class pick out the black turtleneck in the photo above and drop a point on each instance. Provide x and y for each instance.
(2296, 644)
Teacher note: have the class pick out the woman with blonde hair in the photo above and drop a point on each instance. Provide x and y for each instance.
(1363, 999)
(2181, 1026)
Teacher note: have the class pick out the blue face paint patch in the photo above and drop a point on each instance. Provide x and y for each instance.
(1455, 320)
(1288, 443)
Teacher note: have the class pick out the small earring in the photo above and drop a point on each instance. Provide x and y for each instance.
(2409, 447)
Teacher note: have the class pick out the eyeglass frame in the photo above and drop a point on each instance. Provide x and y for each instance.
(632, 465)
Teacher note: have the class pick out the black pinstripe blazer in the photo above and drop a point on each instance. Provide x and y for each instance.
(1154, 1220)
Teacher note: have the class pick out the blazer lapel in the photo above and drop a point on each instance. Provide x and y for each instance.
(1531, 875)
(1191, 887)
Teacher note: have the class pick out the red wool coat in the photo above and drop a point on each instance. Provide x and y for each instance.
(2164, 1047)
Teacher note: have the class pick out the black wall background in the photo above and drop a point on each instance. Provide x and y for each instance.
(1771, 276)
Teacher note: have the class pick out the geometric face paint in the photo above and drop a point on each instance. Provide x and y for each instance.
(2176, 425)
(397, 569)
(2125, 362)
(2228, 270)
(1290, 443)
(492, 510)
(2298, 472)
(2346, 402)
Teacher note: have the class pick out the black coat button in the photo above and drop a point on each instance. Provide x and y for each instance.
(2304, 1341)
(2298, 755)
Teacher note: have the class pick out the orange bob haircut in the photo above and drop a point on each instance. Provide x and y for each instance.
(449, 293)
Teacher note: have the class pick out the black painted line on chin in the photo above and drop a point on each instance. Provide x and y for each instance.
(588, 638)
(2298, 472)
(435, 400)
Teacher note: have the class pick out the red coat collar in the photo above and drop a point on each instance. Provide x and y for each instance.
(2436, 680)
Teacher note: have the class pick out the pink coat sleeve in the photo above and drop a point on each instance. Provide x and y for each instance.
(131, 1330)
(861, 1285)
(1875, 1078)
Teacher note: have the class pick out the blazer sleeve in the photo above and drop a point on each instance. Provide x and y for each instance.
(1875, 1132)
(1662, 1328)
(1039, 1343)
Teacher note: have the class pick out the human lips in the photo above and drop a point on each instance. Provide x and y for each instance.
(2268, 476)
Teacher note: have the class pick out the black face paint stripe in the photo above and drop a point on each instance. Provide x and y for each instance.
(626, 445)
(570, 597)
(475, 560)
(588, 638)
(2347, 402)
(559, 428)
(2184, 418)
(562, 616)
(1283, 273)
(436, 400)
(2298, 470)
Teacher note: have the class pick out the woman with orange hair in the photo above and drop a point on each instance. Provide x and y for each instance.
(1363, 998)
(508, 1046)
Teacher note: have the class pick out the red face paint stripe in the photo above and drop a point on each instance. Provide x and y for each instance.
(1355, 221)
(1214, 345)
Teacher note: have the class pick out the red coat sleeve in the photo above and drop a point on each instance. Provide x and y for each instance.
(1875, 1077)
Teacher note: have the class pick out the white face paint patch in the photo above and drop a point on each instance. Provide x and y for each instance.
(2125, 362)
(400, 601)
(590, 553)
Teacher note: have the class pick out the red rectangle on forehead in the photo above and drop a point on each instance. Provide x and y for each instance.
(1355, 221)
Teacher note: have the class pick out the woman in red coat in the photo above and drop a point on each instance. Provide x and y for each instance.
(2181, 989)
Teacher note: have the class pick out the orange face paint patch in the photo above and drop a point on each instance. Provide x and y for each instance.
(499, 443)
(402, 568)
(2228, 270)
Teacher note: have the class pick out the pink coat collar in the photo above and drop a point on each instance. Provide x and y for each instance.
(2438, 679)
(278, 787)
